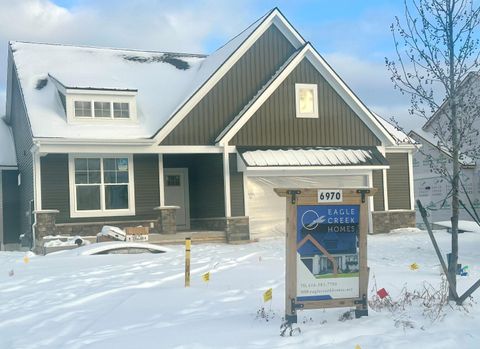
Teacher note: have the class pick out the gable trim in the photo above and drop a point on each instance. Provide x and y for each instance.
(332, 79)
(275, 17)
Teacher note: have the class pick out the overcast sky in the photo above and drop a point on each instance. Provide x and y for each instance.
(352, 35)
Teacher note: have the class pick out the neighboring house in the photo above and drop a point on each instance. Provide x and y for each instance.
(9, 211)
(106, 135)
(433, 190)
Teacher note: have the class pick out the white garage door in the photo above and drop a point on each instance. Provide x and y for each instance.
(267, 210)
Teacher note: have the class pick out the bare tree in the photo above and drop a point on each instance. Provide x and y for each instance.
(437, 53)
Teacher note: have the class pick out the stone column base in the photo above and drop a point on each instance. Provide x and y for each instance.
(167, 219)
(237, 229)
(385, 221)
(44, 225)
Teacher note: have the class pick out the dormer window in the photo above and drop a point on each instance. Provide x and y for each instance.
(121, 110)
(83, 109)
(102, 110)
(91, 103)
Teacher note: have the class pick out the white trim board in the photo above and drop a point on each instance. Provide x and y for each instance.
(274, 18)
(333, 80)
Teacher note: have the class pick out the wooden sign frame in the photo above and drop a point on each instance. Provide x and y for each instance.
(311, 197)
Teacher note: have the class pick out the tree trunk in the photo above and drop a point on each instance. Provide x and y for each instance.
(452, 270)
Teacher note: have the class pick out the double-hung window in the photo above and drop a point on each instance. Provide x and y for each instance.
(101, 186)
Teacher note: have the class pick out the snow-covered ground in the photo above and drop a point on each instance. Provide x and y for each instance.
(138, 301)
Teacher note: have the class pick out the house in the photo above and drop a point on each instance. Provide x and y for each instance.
(432, 189)
(9, 212)
(127, 137)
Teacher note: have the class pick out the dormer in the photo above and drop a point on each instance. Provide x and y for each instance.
(89, 101)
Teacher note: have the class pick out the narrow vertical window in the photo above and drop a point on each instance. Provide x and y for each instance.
(306, 100)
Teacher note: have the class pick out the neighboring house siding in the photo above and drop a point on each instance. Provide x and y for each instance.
(56, 194)
(398, 181)
(10, 207)
(22, 135)
(378, 201)
(275, 122)
(234, 90)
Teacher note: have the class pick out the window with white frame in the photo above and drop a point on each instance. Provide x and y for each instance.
(121, 110)
(83, 109)
(102, 110)
(306, 100)
(102, 186)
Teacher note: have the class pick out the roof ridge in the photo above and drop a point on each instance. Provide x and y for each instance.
(243, 31)
(200, 55)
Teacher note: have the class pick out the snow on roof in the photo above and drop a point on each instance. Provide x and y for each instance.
(312, 156)
(7, 148)
(428, 137)
(161, 86)
(399, 136)
(164, 81)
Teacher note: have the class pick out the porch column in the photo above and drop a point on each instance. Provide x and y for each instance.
(161, 180)
(226, 182)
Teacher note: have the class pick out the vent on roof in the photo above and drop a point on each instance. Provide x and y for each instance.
(41, 83)
(165, 58)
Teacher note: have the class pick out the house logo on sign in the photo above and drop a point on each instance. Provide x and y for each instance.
(311, 220)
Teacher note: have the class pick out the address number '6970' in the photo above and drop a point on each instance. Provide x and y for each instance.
(330, 196)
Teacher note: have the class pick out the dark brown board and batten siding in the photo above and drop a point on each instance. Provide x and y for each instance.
(234, 90)
(275, 122)
(398, 181)
(56, 194)
(378, 201)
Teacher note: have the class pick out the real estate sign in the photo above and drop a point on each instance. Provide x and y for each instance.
(327, 252)
(326, 262)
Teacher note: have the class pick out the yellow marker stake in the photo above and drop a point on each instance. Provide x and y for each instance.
(267, 295)
(357, 347)
(206, 277)
(26, 259)
(414, 266)
(188, 243)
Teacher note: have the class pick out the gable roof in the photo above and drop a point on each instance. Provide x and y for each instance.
(7, 147)
(398, 135)
(227, 56)
(428, 138)
(330, 76)
(463, 83)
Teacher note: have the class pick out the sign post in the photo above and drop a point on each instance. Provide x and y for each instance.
(326, 249)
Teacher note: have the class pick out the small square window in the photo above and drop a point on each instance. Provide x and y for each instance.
(121, 110)
(173, 181)
(102, 109)
(83, 109)
(306, 100)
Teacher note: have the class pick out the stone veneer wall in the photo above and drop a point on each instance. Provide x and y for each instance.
(385, 221)
(237, 228)
(92, 229)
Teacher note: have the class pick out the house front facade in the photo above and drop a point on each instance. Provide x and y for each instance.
(127, 138)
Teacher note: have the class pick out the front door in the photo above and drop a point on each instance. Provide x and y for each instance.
(176, 194)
